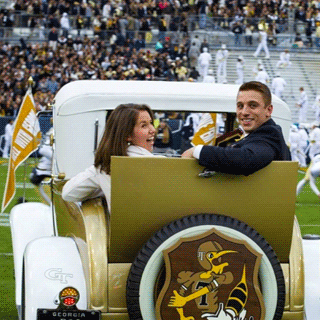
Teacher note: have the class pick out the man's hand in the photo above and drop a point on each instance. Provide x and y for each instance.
(188, 153)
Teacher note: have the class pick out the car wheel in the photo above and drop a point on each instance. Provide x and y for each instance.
(143, 280)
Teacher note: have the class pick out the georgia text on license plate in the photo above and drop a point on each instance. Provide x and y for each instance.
(47, 314)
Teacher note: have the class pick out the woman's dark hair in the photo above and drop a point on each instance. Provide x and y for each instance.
(119, 128)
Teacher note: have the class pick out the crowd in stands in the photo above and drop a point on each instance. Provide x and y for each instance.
(173, 15)
(82, 59)
(122, 55)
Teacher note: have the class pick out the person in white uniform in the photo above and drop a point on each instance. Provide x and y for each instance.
(221, 63)
(240, 67)
(204, 61)
(129, 132)
(303, 142)
(314, 138)
(316, 108)
(209, 78)
(284, 59)
(65, 24)
(193, 119)
(262, 44)
(255, 69)
(303, 105)
(277, 85)
(311, 175)
(44, 168)
(262, 76)
(8, 132)
(294, 142)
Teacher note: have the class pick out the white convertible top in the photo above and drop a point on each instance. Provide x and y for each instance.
(93, 95)
(80, 107)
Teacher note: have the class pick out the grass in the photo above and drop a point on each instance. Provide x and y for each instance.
(7, 287)
(7, 295)
(307, 212)
(308, 209)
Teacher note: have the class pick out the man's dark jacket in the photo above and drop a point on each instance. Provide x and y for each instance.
(249, 154)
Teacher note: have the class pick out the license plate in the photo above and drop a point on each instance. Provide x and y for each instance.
(47, 314)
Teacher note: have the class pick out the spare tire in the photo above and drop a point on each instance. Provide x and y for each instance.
(143, 277)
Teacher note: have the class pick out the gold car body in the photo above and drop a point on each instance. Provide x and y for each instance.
(164, 190)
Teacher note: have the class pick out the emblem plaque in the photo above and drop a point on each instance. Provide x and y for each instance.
(211, 276)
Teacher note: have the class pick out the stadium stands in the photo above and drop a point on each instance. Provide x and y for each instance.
(25, 26)
(304, 72)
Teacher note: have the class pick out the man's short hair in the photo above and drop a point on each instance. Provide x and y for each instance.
(260, 87)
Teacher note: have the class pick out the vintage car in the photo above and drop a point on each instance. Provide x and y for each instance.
(181, 242)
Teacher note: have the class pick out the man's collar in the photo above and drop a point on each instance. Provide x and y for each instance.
(268, 122)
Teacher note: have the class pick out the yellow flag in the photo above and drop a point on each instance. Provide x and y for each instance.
(25, 140)
(206, 131)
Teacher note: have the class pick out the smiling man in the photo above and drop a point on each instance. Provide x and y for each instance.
(263, 140)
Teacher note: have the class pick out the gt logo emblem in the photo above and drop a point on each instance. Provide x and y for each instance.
(57, 274)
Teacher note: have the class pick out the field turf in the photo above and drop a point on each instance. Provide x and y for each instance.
(7, 295)
(307, 212)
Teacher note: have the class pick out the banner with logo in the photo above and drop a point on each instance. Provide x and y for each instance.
(206, 131)
(25, 140)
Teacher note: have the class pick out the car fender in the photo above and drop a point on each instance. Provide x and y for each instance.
(311, 255)
(28, 221)
(50, 265)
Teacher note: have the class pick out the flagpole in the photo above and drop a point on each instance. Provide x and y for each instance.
(24, 182)
(30, 84)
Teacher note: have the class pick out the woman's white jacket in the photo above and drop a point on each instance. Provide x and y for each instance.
(93, 183)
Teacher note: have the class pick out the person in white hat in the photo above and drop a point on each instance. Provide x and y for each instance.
(262, 76)
(65, 24)
(8, 138)
(302, 104)
(278, 84)
(221, 63)
(204, 61)
(262, 44)
(316, 108)
(314, 139)
(209, 78)
(297, 153)
(312, 174)
(284, 59)
(256, 68)
(240, 67)
(303, 142)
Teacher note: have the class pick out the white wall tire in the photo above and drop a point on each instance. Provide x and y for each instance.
(148, 263)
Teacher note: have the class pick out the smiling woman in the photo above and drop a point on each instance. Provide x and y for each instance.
(143, 131)
(129, 132)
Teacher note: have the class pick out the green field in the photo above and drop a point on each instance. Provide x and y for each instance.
(7, 298)
(307, 211)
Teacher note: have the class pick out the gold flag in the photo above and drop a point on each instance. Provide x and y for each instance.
(25, 140)
(206, 131)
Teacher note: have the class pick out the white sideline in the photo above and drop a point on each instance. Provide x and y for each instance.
(5, 224)
(4, 220)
